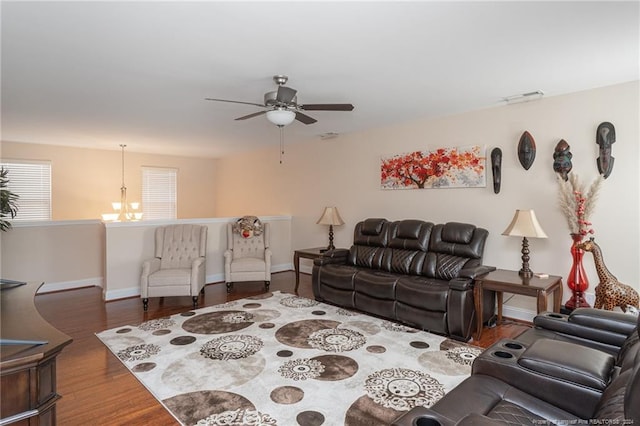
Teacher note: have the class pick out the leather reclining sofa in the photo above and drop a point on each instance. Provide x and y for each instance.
(409, 271)
(577, 369)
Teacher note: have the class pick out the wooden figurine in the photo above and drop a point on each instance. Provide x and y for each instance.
(496, 167)
(610, 292)
(605, 137)
(526, 150)
(562, 159)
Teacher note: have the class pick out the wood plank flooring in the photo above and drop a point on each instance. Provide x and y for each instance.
(97, 389)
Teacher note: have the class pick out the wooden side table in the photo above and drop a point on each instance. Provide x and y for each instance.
(502, 280)
(309, 253)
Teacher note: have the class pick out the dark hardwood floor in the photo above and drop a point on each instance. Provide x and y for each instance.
(97, 389)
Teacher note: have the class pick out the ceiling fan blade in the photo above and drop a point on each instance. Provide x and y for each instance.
(234, 102)
(304, 118)
(327, 107)
(285, 94)
(255, 114)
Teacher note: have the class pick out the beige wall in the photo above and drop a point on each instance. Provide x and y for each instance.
(62, 254)
(86, 181)
(345, 172)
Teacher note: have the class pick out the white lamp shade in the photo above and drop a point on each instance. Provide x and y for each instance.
(281, 117)
(330, 216)
(525, 224)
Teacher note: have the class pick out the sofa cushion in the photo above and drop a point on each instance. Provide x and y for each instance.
(496, 399)
(372, 227)
(370, 237)
(170, 277)
(459, 239)
(406, 262)
(378, 284)
(410, 235)
(338, 276)
(424, 293)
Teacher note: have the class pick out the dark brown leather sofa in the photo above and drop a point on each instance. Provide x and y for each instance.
(410, 271)
(550, 375)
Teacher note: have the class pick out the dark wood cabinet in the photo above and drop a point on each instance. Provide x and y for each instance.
(27, 372)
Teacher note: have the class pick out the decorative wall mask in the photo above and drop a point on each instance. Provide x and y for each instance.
(562, 159)
(496, 168)
(248, 226)
(605, 137)
(526, 150)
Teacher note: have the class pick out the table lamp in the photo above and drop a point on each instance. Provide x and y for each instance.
(330, 217)
(525, 225)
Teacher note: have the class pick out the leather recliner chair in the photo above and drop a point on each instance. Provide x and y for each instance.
(558, 374)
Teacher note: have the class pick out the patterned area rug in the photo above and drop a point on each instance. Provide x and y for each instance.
(279, 359)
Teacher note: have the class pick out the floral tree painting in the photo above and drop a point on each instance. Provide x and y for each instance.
(458, 167)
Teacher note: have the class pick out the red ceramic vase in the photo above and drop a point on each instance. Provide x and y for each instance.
(577, 279)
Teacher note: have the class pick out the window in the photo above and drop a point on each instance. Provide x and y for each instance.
(31, 181)
(159, 193)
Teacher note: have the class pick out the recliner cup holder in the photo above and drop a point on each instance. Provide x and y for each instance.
(555, 316)
(503, 354)
(427, 421)
(515, 346)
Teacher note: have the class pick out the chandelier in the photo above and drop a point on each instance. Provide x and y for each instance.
(124, 211)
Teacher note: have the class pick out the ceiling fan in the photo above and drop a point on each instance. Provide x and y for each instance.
(282, 108)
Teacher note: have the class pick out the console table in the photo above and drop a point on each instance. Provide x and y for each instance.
(27, 371)
(502, 280)
(310, 253)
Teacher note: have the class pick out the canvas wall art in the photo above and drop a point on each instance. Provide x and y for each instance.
(457, 167)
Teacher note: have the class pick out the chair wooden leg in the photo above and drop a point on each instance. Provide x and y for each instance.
(229, 287)
(195, 302)
(267, 284)
(145, 304)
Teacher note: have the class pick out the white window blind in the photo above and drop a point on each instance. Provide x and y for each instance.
(31, 181)
(159, 193)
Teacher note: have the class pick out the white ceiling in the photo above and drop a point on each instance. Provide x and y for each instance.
(98, 74)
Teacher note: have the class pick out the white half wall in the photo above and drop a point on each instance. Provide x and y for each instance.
(128, 244)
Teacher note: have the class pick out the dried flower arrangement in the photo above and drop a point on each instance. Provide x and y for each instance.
(576, 204)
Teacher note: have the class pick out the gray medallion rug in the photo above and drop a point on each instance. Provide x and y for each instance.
(280, 359)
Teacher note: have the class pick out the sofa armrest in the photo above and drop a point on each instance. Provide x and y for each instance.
(332, 256)
(596, 325)
(476, 271)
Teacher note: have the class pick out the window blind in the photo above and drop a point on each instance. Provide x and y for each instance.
(159, 193)
(31, 181)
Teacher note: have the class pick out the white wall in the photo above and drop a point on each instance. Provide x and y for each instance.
(345, 172)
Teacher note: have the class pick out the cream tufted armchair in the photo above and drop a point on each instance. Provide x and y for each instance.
(247, 259)
(178, 268)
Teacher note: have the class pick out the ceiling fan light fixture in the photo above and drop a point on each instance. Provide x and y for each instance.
(281, 117)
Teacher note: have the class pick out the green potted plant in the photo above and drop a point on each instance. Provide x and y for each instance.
(8, 201)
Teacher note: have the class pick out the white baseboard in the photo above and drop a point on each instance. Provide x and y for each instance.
(518, 313)
(70, 285)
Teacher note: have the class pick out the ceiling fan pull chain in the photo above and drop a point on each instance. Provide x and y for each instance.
(281, 142)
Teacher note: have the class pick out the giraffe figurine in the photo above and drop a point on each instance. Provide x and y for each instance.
(610, 292)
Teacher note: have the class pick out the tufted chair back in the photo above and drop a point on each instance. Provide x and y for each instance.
(248, 247)
(247, 259)
(178, 246)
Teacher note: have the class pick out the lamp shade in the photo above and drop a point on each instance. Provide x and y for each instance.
(525, 224)
(281, 117)
(330, 216)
